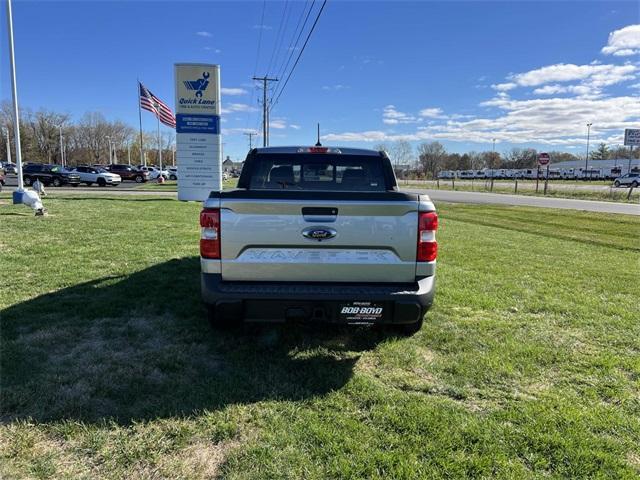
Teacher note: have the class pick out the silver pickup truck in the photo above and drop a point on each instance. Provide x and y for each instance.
(318, 234)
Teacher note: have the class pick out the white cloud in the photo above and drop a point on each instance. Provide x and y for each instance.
(233, 91)
(567, 72)
(204, 34)
(503, 87)
(263, 27)
(278, 123)
(238, 107)
(391, 116)
(431, 112)
(294, 126)
(335, 87)
(216, 50)
(552, 121)
(624, 42)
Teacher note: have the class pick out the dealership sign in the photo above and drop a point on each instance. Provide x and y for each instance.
(198, 145)
(632, 136)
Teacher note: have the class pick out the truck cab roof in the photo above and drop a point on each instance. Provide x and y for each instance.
(317, 149)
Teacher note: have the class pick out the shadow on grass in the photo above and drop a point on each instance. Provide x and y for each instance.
(137, 347)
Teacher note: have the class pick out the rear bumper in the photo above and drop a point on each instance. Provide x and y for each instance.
(281, 301)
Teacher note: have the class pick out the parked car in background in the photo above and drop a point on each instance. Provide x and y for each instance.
(154, 172)
(49, 175)
(2, 180)
(102, 177)
(127, 172)
(628, 180)
(173, 173)
(9, 168)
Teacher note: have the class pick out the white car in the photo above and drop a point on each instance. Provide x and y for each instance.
(154, 172)
(91, 175)
(628, 180)
(173, 173)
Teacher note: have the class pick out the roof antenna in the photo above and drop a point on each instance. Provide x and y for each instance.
(318, 144)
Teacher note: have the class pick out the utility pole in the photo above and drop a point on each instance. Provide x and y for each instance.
(109, 140)
(586, 158)
(250, 135)
(61, 148)
(265, 110)
(6, 134)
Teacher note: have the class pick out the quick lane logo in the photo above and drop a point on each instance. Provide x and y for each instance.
(199, 85)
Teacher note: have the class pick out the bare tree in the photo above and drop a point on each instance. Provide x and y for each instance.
(432, 157)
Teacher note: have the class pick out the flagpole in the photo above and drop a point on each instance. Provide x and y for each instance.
(143, 159)
(159, 144)
(14, 95)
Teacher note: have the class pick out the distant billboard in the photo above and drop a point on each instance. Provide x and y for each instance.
(632, 136)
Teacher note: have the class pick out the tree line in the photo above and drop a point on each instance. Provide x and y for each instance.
(84, 141)
(429, 158)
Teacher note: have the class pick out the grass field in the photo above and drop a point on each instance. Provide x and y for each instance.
(527, 366)
(557, 189)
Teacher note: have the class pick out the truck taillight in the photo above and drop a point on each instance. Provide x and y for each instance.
(427, 245)
(210, 233)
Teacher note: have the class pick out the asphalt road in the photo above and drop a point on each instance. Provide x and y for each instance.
(436, 195)
(528, 201)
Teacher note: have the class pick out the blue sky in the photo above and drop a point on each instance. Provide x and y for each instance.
(463, 73)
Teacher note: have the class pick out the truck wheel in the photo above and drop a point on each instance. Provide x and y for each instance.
(57, 182)
(139, 179)
(216, 322)
(102, 182)
(409, 329)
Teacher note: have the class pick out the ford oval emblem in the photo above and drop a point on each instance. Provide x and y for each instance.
(319, 233)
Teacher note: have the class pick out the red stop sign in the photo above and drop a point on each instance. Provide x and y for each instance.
(543, 158)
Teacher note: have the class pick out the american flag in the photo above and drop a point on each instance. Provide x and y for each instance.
(150, 102)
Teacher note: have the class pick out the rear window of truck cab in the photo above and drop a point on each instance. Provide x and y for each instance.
(328, 172)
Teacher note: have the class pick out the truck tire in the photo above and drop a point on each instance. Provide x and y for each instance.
(216, 322)
(409, 329)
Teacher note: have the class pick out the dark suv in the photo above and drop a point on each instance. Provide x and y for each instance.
(49, 175)
(127, 172)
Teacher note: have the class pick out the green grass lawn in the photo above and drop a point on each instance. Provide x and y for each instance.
(527, 366)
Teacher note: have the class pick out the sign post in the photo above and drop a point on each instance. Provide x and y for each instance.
(198, 147)
(544, 159)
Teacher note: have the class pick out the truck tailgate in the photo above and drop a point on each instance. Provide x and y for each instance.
(371, 240)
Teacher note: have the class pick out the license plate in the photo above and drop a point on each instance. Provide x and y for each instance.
(361, 311)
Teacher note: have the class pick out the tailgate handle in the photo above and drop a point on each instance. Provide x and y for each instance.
(320, 214)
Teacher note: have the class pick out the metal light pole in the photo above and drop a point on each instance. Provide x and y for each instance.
(6, 134)
(173, 155)
(14, 94)
(129, 153)
(61, 148)
(586, 158)
(109, 140)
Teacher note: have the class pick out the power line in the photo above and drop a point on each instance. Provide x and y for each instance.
(280, 35)
(301, 52)
(255, 68)
(293, 46)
